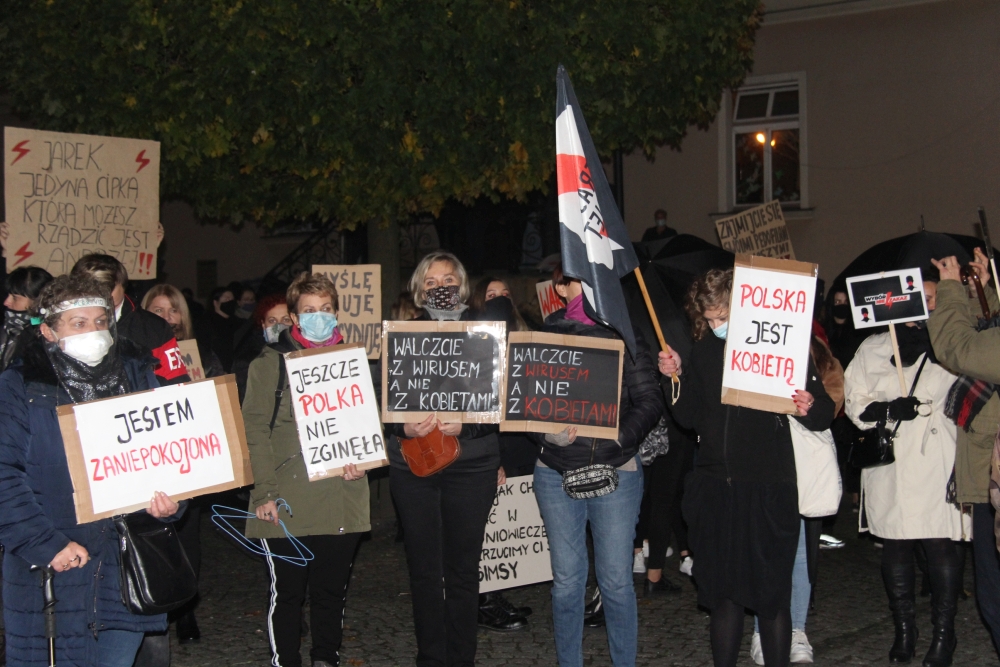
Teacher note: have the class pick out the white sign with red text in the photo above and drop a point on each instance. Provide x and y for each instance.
(333, 399)
(770, 329)
(172, 439)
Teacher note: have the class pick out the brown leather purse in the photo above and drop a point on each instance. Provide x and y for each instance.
(430, 454)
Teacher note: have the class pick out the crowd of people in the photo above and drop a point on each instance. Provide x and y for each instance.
(714, 483)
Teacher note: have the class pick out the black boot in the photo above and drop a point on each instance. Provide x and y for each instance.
(187, 629)
(497, 597)
(946, 584)
(493, 616)
(899, 584)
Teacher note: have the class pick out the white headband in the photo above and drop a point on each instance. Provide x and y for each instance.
(85, 302)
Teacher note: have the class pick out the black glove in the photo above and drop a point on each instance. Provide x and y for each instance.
(904, 408)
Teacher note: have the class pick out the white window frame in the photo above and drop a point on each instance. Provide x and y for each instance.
(728, 126)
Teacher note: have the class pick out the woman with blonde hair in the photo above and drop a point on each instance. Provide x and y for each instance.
(444, 515)
(168, 302)
(741, 499)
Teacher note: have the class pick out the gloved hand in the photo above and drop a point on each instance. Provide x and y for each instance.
(904, 408)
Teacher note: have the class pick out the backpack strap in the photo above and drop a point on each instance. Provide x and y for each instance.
(279, 391)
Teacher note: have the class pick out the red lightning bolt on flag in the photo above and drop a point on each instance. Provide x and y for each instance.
(142, 160)
(22, 253)
(20, 150)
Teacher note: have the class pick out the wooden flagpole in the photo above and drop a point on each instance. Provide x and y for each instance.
(675, 382)
(899, 362)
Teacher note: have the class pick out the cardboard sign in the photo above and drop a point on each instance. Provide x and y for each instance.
(756, 231)
(893, 296)
(515, 546)
(185, 440)
(191, 358)
(770, 330)
(554, 381)
(335, 410)
(70, 195)
(451, 369)
(549, 300)
(359, 287)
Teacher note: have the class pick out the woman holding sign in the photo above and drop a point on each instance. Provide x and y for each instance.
(444, 515)
(611, 511)
(75, 357)
(741, 500)
(328, 515)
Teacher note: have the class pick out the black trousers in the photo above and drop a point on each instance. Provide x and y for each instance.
(987, 563)
(326, 577)
(444, 517)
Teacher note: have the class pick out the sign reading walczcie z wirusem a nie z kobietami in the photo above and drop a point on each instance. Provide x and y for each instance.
(878, 299)
(515, 545)
(554, 381)
(335, 409)
(185, 440)
(451, 369)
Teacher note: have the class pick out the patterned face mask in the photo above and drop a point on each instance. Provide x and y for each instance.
(442, 298)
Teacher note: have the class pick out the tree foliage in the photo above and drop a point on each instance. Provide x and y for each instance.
(364, 110)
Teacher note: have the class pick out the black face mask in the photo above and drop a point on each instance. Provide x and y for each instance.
(914, 341)
(842, 311)
(500, 309)
(229, 307)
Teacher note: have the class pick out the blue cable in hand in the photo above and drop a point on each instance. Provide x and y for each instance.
(221, 520)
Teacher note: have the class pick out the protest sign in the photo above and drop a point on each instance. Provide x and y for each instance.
(359, 287)
(549, 300)
(191, 358)
(451, 369)
(554, 381)
(892, 296)
(770, 330)
(335, 410)
(756, 231)
(69, 195)
(185, 440)
(515, 546)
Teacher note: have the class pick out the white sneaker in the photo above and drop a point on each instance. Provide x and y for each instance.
(645, 548)
(639, 564)
(756, 652)
(802, 650)
(830, 542)
(686, 565)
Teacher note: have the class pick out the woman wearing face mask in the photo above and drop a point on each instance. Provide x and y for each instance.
(168, 302)
(487, 290)
(444, 515)
(223, 324)
(72, 357)
(741, 500)
(270, 317)
(329, 515)
(23, 287)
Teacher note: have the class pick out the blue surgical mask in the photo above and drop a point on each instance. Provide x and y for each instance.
(317, 327)
(722, 330)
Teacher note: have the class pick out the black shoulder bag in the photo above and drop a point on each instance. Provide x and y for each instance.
(156, 575)
(873, 448)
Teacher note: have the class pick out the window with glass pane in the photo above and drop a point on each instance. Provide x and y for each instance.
(749, 151)
(784, 146)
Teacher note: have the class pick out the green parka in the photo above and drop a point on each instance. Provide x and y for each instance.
(331, 506)
(962, 349)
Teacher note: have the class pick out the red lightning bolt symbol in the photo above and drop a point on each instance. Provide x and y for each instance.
(142, 160)
(23, 253)
(20, 150)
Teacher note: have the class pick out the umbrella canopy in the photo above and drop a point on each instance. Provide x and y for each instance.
(913, 250)
(669, 267)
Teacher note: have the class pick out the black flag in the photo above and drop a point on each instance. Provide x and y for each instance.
(595, 246)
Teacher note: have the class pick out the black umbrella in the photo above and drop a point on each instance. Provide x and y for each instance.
(668, 268)
(48, 607)
(912, 250)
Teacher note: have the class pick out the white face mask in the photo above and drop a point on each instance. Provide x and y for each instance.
(90, 347)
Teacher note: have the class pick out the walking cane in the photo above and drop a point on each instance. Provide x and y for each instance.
(49, 608)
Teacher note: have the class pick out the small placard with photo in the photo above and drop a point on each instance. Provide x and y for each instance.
(895, 297)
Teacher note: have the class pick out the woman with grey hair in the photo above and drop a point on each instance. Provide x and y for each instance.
(444, 515)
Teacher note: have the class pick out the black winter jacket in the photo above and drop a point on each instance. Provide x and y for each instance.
(153, 333)
(737, 443)
(639, 410)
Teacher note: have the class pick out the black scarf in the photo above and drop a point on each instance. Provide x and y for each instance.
(914, 341)
(88, 383)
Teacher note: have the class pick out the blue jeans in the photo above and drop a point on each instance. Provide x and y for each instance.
(801, 588)
(117, 648)
(612, 523)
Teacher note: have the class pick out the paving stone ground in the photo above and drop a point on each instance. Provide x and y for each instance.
(850, 625)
